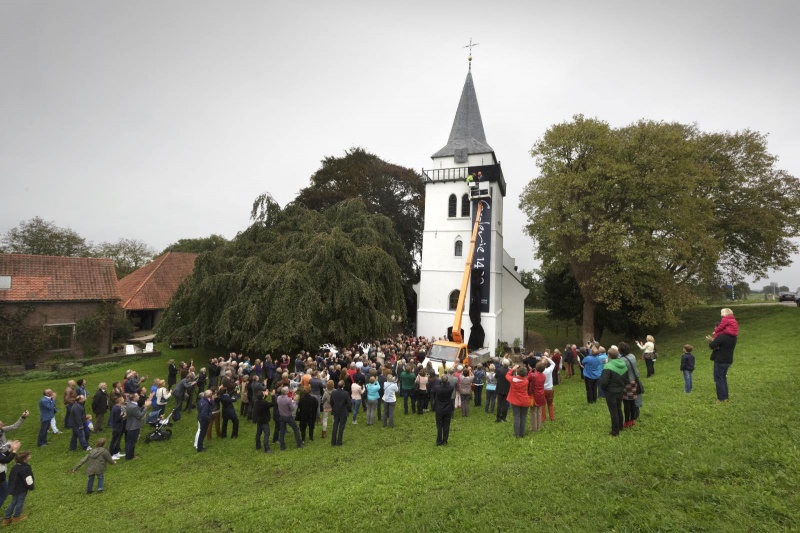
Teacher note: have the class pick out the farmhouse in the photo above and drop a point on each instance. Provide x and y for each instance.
(56, 293)
(147, 291)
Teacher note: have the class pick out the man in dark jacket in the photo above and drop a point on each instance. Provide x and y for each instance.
(261, 416)
(205, 408)
(340, 405)
(133, 425)
(502, 391)
(180, 390)
(99, 407)
(307, 414)
(612, 382)
(722, 355)
(443, 406)
(77, 416)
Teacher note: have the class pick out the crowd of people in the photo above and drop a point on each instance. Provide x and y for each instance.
(331, 387)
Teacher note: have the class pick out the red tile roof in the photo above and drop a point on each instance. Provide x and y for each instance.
(152, 286)
(45, 278)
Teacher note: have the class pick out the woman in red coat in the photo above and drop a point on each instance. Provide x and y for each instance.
(518, 380)
(536, 391)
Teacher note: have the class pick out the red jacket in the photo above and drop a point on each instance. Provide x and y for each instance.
(536, 389)
(518, 390)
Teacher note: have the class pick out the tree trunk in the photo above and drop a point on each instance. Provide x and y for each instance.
(588, 319)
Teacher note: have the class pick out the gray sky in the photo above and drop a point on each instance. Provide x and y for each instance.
(162, 120)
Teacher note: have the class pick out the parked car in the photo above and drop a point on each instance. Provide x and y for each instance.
(786, 297)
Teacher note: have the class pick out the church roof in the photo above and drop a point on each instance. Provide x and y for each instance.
(467, 132)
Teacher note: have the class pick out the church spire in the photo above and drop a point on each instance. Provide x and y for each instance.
(467, 135)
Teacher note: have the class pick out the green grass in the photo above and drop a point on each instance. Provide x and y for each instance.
(690, 465)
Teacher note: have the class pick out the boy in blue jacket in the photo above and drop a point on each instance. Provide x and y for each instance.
(687, 366)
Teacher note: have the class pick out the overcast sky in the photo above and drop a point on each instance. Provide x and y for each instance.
(162, 120)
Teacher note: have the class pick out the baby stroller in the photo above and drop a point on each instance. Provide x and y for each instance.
(161, 430)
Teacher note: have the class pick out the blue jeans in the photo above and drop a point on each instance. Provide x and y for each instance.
(721, 380)
(406, 394)
(687, 380)
(15, 507)
(91, 483)
(356, 407)
(78, 435)
(289, 421)
(262, 428)
(491, 399)
(42, 440)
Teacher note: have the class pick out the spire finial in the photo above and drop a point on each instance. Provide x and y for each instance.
(470, 45)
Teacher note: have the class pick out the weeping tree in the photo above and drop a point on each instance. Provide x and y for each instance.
(295, 278)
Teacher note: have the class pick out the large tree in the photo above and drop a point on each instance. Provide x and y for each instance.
(387, 189)
(40, 237)
(640, 215)
(128, 254)
(295, 278)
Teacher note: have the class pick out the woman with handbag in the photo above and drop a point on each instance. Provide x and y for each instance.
(648, 354)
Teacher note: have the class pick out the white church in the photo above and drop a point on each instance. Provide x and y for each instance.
(447, 233)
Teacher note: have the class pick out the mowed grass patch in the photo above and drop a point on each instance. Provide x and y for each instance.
(689, 465)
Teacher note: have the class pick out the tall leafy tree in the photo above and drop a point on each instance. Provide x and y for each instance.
(294, 278)
(643, 214)
(40, 237)
(385, 188)
(128, 254)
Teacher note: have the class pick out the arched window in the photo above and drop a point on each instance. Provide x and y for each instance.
(451, 206)
(465, 206)
(459, 248)
(453, 303)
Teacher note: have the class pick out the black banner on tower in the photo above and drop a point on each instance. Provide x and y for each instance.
(482, 258)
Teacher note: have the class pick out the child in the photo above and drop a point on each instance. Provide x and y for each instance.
(88, 427)
(96, 461)
(727, 324)
(20, 481)
(687, 366)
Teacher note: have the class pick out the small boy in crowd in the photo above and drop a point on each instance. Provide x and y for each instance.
(687, 366)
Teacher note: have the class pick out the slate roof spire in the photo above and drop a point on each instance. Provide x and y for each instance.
(467, 135)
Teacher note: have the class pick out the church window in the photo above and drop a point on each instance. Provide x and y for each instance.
(459, 248)
(453, 303)
(451, 206)
(465, 205)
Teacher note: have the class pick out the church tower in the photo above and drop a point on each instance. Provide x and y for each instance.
(449, 210)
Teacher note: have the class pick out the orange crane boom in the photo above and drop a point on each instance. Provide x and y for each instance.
(462, 295)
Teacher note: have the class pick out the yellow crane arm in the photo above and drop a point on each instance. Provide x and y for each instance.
(465, 279)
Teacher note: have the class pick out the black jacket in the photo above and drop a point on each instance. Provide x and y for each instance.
(205, 408)
(100, 402)
(340, 403)
(443, 398)
(722, 348)
(307, 409)
(261, 413)
(17, 483)
(503, 386)
(77, 416)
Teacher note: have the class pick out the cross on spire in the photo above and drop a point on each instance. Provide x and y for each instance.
(470, 45)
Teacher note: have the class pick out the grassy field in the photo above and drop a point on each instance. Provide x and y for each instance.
(690, 464)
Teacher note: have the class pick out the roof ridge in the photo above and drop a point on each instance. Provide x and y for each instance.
(161, 260)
